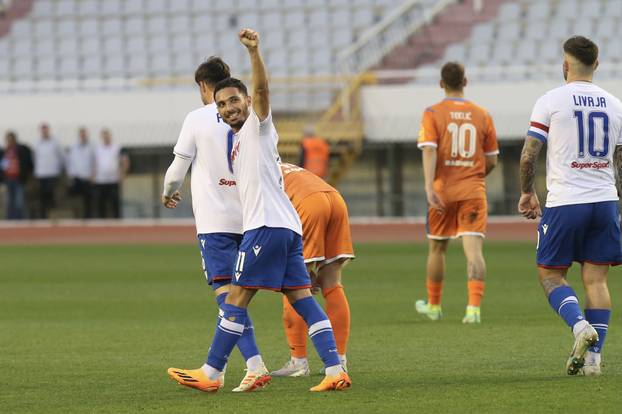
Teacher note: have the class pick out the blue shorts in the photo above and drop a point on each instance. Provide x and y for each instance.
(218, 253)
(579, 233)
(271, 258)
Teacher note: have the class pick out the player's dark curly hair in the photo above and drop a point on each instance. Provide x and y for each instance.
(230, 83)
(212, 71)
(452, 73)
(582, 48)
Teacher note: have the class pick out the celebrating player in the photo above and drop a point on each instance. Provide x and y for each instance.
(204, 143)
(459, 145)
(582, 126)
(270, 255)
(327, 246)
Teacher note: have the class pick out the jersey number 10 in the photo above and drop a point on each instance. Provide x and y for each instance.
(603, 148)
(459, 144)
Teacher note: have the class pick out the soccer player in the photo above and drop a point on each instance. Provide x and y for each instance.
(327, 247)
(459, 145)
(205, 142)
(581, 124)
(270, 255)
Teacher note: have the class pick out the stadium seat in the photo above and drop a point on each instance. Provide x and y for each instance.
(43, 8)
(22, 68)
(538, 10)
(567, 9)
(509, 12)
(129, 7)
(137, 66)
(158, 43)
(66, 8)
(21, 28)
(134, 26)
(508, 31)
(45, 67)
(613, 8)
(483, 32)
(43, 29)
(66, 28)
(88, 27)
(112, 45)
(22, 47)
(45, 47)
(502, 53)
(560, 29)
(135, 45)
(160, 65)
(90, 46)
(479, 53)
(455, 52)
(183, 64)
(157, 24)
(182, 43)
(92, 67)
(67, 46)
(293, 19)
(68, 67)
(155, 7)
(180, 7)
(111, 26)
(318, 18)
(589, 8)
(179, 23)
(114, 66)
(583, 27)
(88, 8)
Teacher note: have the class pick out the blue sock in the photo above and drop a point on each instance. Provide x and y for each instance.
(564, 302)
(247, 344)
(320, 330)
(229, 330)
(599, 319)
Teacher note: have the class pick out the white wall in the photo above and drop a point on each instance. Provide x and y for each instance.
(135, 118)
(393, 112)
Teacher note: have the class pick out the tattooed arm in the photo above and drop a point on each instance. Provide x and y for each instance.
(529, 205)
(617, 165)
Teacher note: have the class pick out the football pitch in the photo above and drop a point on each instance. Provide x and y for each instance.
(92, 329)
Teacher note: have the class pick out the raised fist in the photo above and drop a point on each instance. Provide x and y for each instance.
(249, 38)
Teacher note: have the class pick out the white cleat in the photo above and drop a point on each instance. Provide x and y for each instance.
(592, 367)
(293, 369)
(433, 312)
(254, 380)
(472, 315)
(583, 341)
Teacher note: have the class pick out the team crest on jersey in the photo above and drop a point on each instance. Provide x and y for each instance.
(256, 250)
(545, 227)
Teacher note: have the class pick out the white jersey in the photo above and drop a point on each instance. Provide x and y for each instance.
(256, 163)
(581, 125)
(107, 164)
(205, 139)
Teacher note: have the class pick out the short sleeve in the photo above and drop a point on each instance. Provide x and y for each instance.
(186, 144)
(428, 134)
(265, 126)
(540, 120)
(491, 146)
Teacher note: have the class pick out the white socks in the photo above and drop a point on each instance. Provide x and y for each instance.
(254, 363)
(212, 373)
(579, 326)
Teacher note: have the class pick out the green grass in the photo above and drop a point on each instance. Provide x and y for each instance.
(93, 329)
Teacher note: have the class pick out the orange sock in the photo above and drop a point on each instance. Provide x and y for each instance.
(476, 291)
(295, 330)
(338, 311)
(434, 292)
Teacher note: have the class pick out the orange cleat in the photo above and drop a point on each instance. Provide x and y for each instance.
(338, 383)
(195, 378)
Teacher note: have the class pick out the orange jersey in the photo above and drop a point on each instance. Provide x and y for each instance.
(300, 183)
(464, 135)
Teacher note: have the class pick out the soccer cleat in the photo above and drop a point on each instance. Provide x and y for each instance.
(337, 383)
(584, 339)
(254, 380)
(592, 367)
(472, 315)
(293, 369)
(433, 312)
(195, 378)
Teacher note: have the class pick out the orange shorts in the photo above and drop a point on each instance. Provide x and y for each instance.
(325, 228)
(460, 218)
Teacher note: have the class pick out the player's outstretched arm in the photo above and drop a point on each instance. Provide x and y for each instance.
(260, 93)
(528, 204)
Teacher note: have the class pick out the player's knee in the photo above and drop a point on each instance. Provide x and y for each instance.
(438, 246)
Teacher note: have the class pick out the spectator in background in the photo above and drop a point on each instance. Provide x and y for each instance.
(80, 168)
(314, 153)
(111, 166)
(15, 169)
(49, 160)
